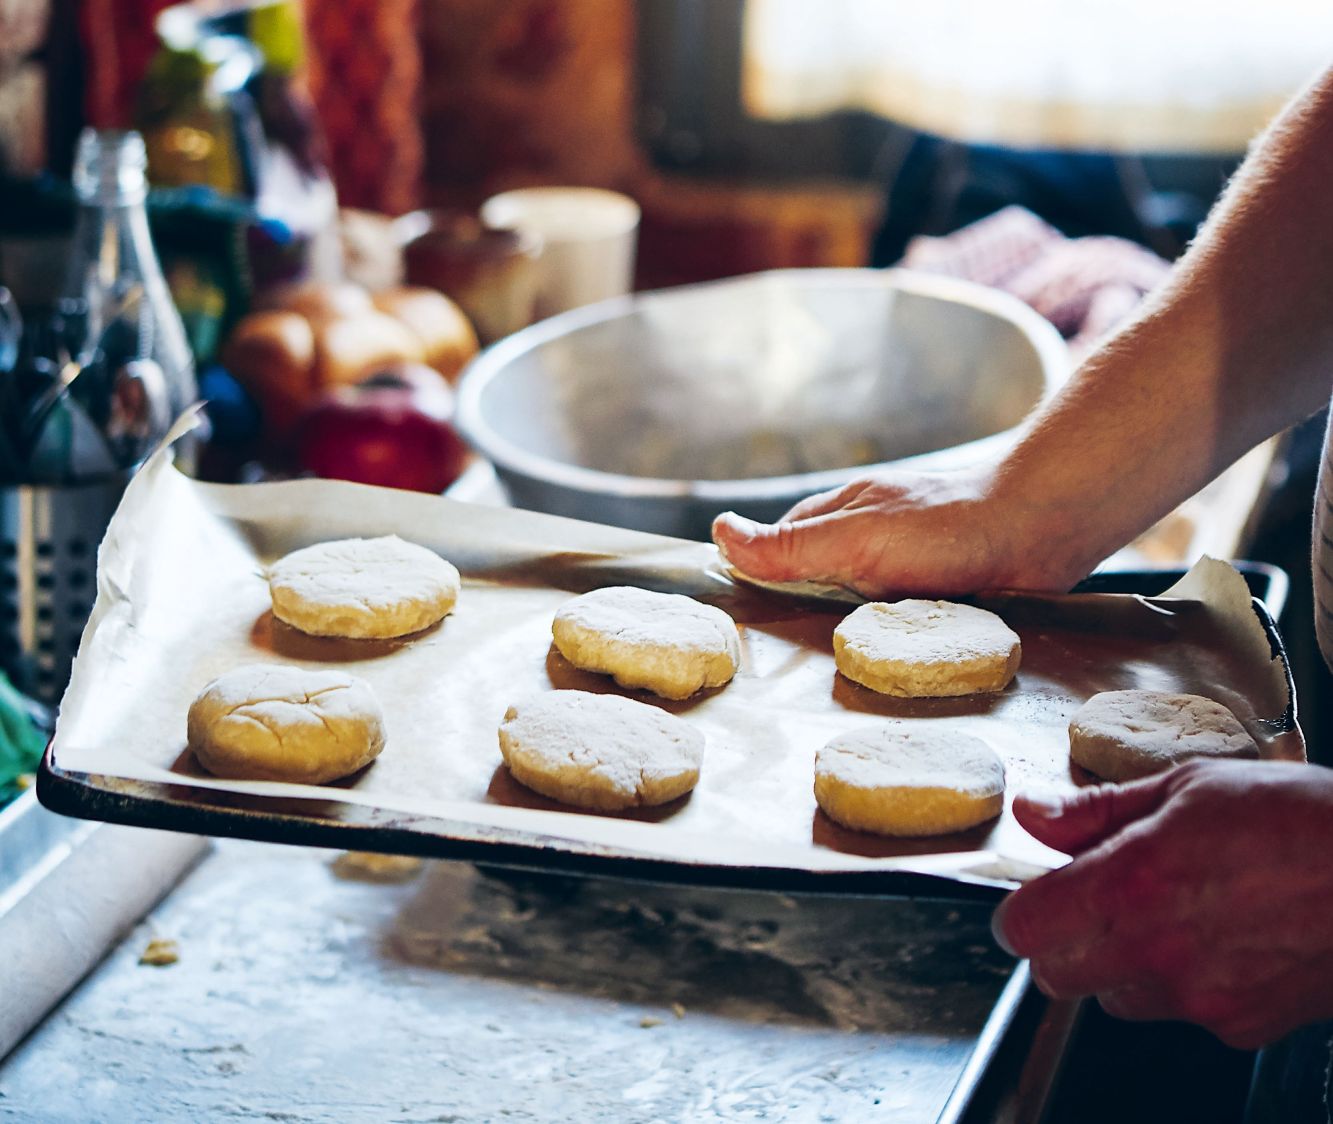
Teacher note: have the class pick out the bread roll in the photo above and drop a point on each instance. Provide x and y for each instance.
(272, 354)
(350, 349)
(445, 332)
(318, 300)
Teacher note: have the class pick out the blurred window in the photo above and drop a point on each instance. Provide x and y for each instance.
(801, 88)
(1109, 75)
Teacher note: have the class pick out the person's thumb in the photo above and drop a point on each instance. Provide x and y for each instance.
(1076, 822)
(808, 550)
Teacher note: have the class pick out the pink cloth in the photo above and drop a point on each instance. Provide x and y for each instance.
(1084, 286)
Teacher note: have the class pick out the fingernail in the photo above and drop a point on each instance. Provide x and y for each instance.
(739, 525)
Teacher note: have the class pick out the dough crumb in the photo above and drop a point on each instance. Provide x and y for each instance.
(160, 952)
(369, 866)
(648, 1022)
(678, 1009)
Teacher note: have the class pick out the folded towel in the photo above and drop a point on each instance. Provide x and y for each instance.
(1084, 286)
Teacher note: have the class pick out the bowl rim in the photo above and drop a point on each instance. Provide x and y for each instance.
(508, 457)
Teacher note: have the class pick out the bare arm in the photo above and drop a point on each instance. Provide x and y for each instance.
(1236, 346)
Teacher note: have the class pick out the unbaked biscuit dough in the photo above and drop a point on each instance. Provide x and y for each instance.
(901, 781)
(926, 649)
(275, 722)
(667, 643)
(600, 751)
(1123, 735)
(366, 589)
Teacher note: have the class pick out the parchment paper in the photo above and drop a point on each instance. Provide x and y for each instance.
(182, 597)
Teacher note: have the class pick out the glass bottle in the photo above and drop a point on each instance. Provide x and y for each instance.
(115, 286)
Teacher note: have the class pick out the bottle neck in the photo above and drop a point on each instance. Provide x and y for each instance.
(110, 168)
(112, 246)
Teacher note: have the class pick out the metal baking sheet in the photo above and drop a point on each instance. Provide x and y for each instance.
(182, 596)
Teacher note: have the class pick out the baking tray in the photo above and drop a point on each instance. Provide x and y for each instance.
(182, 596)
(345, 826)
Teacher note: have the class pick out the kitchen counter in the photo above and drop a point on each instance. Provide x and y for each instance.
(305, 992)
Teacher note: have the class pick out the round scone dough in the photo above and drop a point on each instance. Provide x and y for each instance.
(600, 751)
(1123, 735)
(669, 644)
(275, 722)
(366, 589)
(901, 781)
(926, 649)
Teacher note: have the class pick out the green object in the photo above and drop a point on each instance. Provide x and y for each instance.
(275, 28)
(21, 742)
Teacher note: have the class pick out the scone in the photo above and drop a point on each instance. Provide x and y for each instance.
(926, 649)
(274, 722)
(900, 781)
(600, 751)
(668, 644)
(366, 589)
(1122, 735)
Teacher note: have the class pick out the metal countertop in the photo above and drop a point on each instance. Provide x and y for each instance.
(304, 995)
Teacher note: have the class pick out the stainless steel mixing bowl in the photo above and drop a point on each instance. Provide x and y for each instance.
(657, 411)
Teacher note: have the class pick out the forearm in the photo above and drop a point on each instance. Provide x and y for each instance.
(1237, 346)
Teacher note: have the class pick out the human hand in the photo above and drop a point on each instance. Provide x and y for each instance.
(905, 533)
(1203, 894)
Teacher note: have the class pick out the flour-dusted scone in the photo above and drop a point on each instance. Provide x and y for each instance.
(1122, 735)
(669, 644)
(600, 751)
(896, 780)
(367, 589)
(275, 722)
(926, 649)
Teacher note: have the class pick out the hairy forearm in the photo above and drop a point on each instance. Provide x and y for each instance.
(1237, 346)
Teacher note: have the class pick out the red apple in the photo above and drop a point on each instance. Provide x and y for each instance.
(393, 430)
